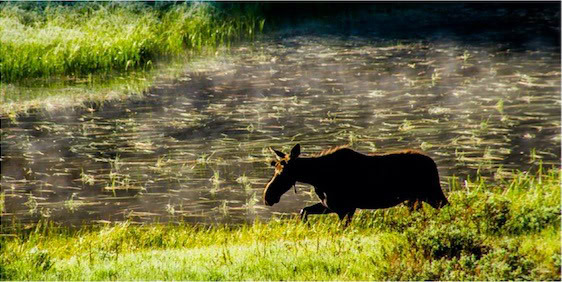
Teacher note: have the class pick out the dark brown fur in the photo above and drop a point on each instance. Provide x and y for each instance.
(345, 180)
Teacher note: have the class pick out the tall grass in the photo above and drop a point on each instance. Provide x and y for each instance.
(54, 40)
(509, 231)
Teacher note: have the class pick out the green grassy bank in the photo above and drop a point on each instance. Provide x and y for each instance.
(489, 232)
(85, 38)
(51, 48)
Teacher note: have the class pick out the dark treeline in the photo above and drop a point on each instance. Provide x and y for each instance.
(525, 20)
(518, 22)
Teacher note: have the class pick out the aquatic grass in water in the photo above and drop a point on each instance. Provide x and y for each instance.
(320, 91)
(75, 40)
(509, 231)
(55, 94)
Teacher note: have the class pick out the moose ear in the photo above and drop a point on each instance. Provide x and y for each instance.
(296, 151)
(279, 154)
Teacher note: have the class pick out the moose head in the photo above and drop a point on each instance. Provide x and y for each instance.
(284, 177)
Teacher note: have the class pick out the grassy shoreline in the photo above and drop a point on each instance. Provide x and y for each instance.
(111, 43)
(76, 94)
(489, 232)
(86, 38)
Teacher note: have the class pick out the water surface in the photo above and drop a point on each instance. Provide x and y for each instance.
(196, 148)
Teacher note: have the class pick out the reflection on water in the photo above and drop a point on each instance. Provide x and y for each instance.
(196, 148)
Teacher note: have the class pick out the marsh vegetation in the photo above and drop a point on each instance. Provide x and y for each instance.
(506, 231)
(96, 51)
(171, 179)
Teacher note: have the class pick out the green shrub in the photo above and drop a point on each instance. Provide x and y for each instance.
(533, 219)
(448, 241)
(505, 262)
(492, 213)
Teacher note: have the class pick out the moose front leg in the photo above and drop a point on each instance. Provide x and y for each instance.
(314, 209)
(349, 213)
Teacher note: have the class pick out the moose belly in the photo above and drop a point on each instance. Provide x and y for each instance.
(379, 202)
(378, 197)
(363, 199)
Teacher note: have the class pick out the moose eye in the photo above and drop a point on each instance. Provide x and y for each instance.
(273, 163)
(283, 162)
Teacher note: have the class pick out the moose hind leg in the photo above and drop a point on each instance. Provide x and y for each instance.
(314, 209)
(437, 201)
(414, 205)
(436, 198)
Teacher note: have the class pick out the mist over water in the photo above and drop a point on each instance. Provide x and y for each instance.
(196, 148)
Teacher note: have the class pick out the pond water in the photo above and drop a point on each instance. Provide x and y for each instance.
(196, 148)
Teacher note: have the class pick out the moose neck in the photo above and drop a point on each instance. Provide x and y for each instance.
(307, 171)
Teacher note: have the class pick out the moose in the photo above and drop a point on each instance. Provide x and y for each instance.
(346, 180)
